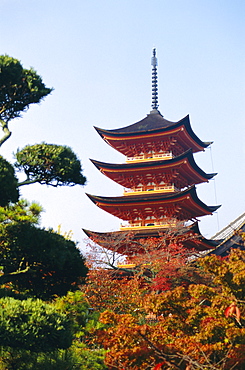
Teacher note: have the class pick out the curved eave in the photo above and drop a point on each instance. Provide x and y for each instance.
(185, 160)
(126, 243)
(142, 129)
(132, 206)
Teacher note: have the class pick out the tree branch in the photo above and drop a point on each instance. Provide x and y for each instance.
(166, 358)
(6, 131)
(11, 276)
(27, 182)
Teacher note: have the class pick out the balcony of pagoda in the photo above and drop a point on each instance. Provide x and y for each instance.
(148, 224)
(150, 157)
(156, 189)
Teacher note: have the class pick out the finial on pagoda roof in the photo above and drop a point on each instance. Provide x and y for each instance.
(154, 104)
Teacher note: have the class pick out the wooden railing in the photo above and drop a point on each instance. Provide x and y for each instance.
(147, 224)
(152, 156)
(164, 189)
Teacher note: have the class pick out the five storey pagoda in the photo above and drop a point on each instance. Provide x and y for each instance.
(159, 178)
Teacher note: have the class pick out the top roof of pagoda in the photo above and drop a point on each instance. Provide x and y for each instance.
(153, 124)
(154, 120)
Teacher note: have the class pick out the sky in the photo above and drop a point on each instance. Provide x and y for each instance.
(96, 54)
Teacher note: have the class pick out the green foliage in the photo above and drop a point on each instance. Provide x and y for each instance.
(19, 88)
(23, 211)
(85, 359)
(48, 264)
(8, 183)
(33, 261)
(33, 325)
(50, 164)
(76, 307)
(77, 357)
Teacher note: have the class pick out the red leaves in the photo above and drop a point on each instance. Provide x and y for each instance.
(161, 283)
(158, 366)
(233, 311)
(206, 321)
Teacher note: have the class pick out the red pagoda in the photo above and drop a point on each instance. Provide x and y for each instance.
(159, 178)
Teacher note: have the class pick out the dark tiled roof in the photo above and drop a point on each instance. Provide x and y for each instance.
(153, 123)
(183, 205)
(230, 237)
(122, 200)
(148, 164)
(105, 239)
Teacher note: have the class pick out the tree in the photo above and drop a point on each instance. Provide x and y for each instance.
(8, 183)
(189, 327)
(155, 264)
(36, 335)
(49, 164)
(43, 163)
(35, 260)
(19, 88)
(39, 261)
(108, 289)
(33, 325)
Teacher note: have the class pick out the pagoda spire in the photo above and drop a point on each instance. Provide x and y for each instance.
(154, 104)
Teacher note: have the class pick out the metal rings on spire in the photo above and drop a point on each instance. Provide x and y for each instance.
(154, 104)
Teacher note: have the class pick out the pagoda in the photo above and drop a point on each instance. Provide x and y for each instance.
(159, 178)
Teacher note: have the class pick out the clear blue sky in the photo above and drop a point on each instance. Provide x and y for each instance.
(96, 54)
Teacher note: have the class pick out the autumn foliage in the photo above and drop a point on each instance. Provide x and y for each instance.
(170, 311)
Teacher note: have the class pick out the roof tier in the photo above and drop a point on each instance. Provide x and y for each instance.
(127, 243)
(181, 170)
(230, 237)
(154, 133)
(182, 205)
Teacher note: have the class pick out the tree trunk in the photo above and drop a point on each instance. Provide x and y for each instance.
(6, 132)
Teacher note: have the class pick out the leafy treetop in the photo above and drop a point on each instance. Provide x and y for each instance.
(33, 325)
(19, 88)
(39, 262)
(49, 164)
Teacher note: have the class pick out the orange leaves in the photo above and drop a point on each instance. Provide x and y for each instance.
(242, 234)
(108, 317)
(228, 273)
(235, 335)
(170, 325)
(122, 339)
(201, 292)
(181, 326)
